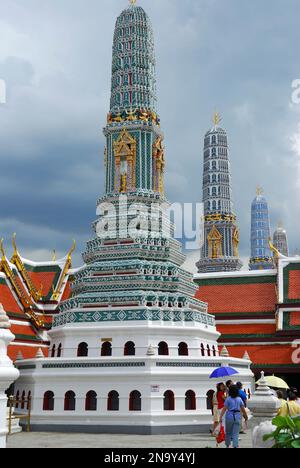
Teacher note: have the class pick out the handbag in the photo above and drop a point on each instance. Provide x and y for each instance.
(222, 436)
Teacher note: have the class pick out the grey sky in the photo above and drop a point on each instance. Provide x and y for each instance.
(236, 56)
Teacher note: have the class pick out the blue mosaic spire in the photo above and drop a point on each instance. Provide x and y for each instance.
(134, 152)
(261, 257)
(221, 235)
(133, 65)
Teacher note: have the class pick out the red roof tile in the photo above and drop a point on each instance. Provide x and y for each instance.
(29, 352)
(294, 285)
(260, 297)
(273, 354)
(67, 292)
(239, 329)
(22, 330)
(43, 278)
(8, 301)
(295, 319)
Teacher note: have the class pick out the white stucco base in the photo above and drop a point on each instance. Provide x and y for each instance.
(151, 376)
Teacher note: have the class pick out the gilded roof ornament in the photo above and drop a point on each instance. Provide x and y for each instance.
(217, 119)
(2, 250)
(133, 2)
(259, 191)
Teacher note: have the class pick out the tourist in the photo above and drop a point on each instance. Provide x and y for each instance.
(218, 404)
(229, 383)
(295, 392)
(234, 408)
(291, 408)
(243, 396)
(280, 397)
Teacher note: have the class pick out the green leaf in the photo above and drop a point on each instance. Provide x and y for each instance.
(285, 439)
(296, 444)
(291, 424)
(297, 423)
(280, 422)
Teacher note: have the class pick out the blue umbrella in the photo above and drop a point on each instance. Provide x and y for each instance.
(223, 371)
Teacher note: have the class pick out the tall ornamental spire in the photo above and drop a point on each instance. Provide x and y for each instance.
(134, 154)
(221, 235)
(133, 66)
(261, 257)
(280, 240)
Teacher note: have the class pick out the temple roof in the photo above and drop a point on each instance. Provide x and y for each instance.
(30, 293)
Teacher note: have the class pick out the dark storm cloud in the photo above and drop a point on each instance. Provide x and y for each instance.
(235, 56)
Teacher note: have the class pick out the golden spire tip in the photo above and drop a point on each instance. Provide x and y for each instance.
(217, 119)
(259, 190)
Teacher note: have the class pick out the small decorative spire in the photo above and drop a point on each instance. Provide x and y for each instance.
(4, 320)
(39, 354)
(54, 256)
(20, 356)
(224, 352)
(151, 351)
(246, 356)
(132, 2)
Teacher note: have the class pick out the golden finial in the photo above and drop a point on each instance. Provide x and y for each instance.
(14, 243)
(2, 249)
(54, 256)
(72, 250)
(217, 119)
(133, 2)
(259, 191)
(275, 251)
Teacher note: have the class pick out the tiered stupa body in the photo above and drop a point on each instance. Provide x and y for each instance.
(135, 347)
(261, 257)
(280, 240)
(221, 235)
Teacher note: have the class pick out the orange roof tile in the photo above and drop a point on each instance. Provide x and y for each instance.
(22, 330)
(258, 297)
(239, 329)
(8, 301)
(45, 278)
(29, 352)
(294, 285)
(273, 354)
(295, 319)
(67, 292)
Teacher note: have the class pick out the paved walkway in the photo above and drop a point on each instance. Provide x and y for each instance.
(55, 440)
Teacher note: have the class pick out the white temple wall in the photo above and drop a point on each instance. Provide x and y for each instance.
(142, 336)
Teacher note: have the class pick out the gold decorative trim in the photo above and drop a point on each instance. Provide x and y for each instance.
(158, 153)
(25, 300)
(215, 243)
(125, 149)
(236, 241)
(220, 217)
(57, 292)
(17, 261)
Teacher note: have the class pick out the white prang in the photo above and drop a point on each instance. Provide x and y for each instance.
(8, 373)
